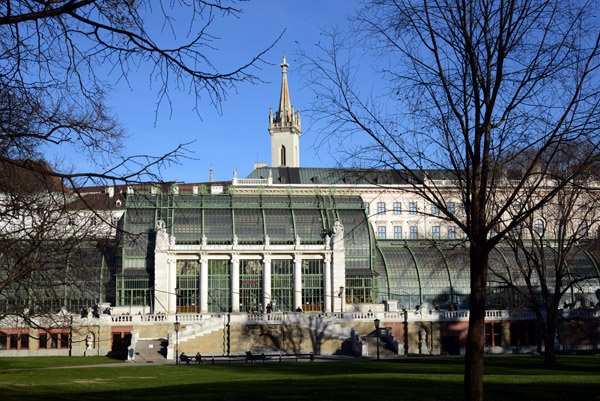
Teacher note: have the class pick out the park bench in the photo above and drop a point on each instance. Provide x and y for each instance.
(250, 357)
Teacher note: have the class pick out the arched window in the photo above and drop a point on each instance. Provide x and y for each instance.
(538, 227)
(282, 157)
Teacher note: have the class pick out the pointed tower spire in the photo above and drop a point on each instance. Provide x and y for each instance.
(284, 128)
(284, 100)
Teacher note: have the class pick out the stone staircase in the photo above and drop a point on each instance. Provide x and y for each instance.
(144, 354)
(384, 351)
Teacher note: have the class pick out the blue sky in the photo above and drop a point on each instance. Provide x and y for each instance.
(238, 136)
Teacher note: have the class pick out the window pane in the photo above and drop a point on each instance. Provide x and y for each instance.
(397, 232)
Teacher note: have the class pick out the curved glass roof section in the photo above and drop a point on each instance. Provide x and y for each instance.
(438, 273)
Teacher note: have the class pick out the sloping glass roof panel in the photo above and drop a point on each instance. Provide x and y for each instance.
(280, 226)
(249, 225)
(218, 225)
(309, 225)
(187, 226)
(356, 238)
(432, 268)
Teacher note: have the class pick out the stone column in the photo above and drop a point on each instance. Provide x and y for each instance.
(235, 283)
(327, 284)
(266, 281)
(203, 284)
(297, 282)
(172, 267)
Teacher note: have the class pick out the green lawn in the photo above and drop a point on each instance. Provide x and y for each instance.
(53, 361)
(506, 378)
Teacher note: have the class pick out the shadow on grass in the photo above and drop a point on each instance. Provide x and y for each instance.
(331, 388)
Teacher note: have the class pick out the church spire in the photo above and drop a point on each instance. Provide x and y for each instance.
(284, 100)
(284, 127)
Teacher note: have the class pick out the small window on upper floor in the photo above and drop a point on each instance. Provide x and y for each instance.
(381, 208)
(412, 208)
(397, 208)
(451, 207)
(118, 203)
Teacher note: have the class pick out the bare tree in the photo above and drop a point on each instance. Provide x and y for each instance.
(467, 87)
(58, 61)
(547, 250)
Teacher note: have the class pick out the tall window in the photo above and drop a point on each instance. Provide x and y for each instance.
(414, 233)
(367, 208)
(451, 232)
(381, 232)
(381, 207)
(312, 285)
(187, 285)
(435, 232)
(218, 285)
(397, 208)
(250, 285)
(435, 209)
(281, 285)
(451, 207)
(282, 156)
(538, 227)
(397, 232)
(413, 208)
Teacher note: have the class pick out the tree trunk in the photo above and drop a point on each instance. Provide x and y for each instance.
(474, 353)
(549, 352)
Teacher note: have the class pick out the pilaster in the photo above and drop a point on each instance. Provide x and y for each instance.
(297, 290)
(235, 283)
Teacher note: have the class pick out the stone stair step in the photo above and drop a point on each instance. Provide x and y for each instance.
(143, 352)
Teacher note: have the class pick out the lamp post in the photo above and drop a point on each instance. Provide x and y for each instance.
(341, 299)
(377, 321)
(176, 325)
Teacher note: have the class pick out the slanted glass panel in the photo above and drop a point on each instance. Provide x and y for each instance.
(349, 202)
(281, 285)
(359, 289)
(249, 227)
(434, 276)
(459, 264)
(252, 202)
(187, 201)
(217, 201)
(582, 268)
(218, 286)
(403, 279)
(218, 226)
(280, 226)
(187, 286)
(187, 227)
(251, 285)
(312, 285)
(276, 202)
(356, 239)
(305, 202)
(500, 294)
(139, 223)
(309, 225)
